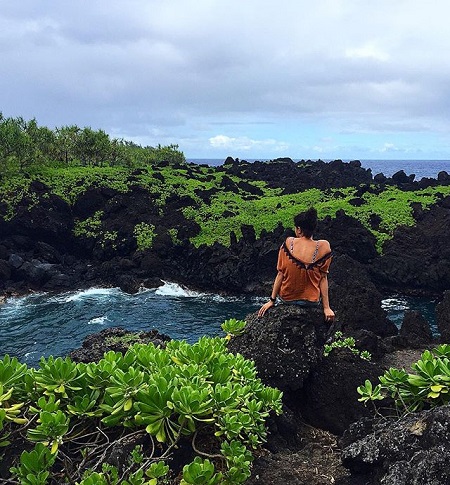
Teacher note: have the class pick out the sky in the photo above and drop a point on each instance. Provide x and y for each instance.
(253, 79)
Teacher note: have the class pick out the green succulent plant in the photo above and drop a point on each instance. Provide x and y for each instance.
(182, 391)
(200, 472)
(34, 466)
(427, 386)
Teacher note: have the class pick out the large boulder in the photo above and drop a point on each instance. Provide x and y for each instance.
(91, 201)
(116, 339)
(329, 399)
(287, 348)
(417, 259)
(285, 344)
(412, 450)
(415, 330)
(348, 236)
(49, 221)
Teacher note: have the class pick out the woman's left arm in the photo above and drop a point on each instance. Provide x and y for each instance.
(275, 290)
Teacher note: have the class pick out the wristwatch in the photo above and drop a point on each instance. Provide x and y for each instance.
(273, 300)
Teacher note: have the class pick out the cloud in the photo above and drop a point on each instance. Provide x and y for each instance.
(367, 51)
(254, 72)
(389, 147)
(245, 144)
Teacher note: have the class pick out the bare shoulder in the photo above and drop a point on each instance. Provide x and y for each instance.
(324, 245)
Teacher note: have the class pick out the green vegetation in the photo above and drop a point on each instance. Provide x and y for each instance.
(67, 416)
(90, 227)
(393, 206)
(25, 146)
(233, 327)
(127, 340)
(341, 342)
(144, 234)
(427, 386)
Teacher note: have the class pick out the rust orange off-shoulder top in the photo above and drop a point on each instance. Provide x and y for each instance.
(301, 280)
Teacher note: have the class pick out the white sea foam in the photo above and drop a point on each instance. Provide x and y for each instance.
(394, 304)
(216, 298)
(174, 289)
(98, 320)
(92, 293)
(15, 302)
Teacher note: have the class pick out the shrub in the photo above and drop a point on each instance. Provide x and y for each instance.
(341, 342)
(186, 393)
(144, 234)
(427, 386)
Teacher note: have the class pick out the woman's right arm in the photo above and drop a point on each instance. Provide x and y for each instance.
(323, 286)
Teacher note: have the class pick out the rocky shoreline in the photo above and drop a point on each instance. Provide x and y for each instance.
(39, 251)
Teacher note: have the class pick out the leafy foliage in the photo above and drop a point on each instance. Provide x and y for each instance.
(34, 466)
(144, 234)
(427, 386)
(233, 327)
(25, 145)
(341, 342)
(199, 392)
(200, 472)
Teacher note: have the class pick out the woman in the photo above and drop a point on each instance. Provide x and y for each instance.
(302, 268)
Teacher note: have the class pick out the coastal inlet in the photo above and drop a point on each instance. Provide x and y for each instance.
(44, 324)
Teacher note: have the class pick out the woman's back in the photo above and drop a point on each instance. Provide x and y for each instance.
(307, 250)
(302, 263)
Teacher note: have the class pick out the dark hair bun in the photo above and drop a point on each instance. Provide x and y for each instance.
(311, 215)
(307, 221)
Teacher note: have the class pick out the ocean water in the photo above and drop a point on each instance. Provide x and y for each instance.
(421, 168)
(54, 324)
(46, 324)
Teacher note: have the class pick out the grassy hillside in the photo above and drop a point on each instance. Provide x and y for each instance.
(226, 208)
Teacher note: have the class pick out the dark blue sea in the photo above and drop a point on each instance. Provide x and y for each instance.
(54, 324)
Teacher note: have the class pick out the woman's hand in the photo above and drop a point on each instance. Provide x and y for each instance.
(265, 307)
(329, 314)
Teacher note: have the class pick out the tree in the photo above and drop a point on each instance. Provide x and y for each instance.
(15, 144)
(93, 147)
(66, 142)
(43, 141)
(169, 153)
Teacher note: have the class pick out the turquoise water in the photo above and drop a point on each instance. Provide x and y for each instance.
(396, 306)
(46, 324)
(54, 324)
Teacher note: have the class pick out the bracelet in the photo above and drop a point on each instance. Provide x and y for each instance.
(273, 300)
